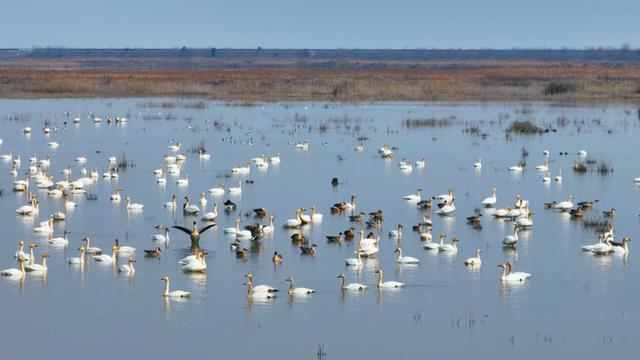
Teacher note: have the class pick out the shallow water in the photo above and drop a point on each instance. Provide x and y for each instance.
(575, 304)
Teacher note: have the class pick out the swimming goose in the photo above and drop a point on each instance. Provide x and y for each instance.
(475, 219)
(308, 250)
(509, 276)
(259, 288)
(474, 261)
(335, 238)
(511, 240)
(351, 286)
(13, 272)
(242, 253)
(413, 197)
(449, 248)
(107, 259)
(491, 200)
(425, 204)
(298, 291)
(133, 206)
(387, 284)
(125, 250)
(609, 213)
(153, 253)
(349, 234)
(405, 259)
(60, 241)
(77, 260)
(276, 258)
(175, 293)
(194, 233)
(357, 218)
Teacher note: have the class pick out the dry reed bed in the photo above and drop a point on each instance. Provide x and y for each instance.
(487, 83)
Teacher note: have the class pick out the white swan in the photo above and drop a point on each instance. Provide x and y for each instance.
(268, 229)
(13, 272)
(175, 293)
(450, 248)
(199, 265)
(387, 284)
(357, 261)
(294, 223)
(397, 234)
(448, 208)
(559, 176)
(474, 261)
(300, 291)
(188, 208)
(257, 295)
(509, 276)
(405, 259)
(478, 164)
(275, 159)
(565, 205)
(491, 200)
(351, 286)
(211, 215)
(124, 250)
(435, 246)
(107, 259)
(161, 238)
(544, 167)
(60, 241)
(133, 206)
(89, 249)
(413, 197)
(259, 288)
(236, 190)
(128, 269)
(511, 240)
(38, 268)
(171, 204)
(77, 260)
(218, 190)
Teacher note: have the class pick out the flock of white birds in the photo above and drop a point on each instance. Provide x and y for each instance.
(40, 182)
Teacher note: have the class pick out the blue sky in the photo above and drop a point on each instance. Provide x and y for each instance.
(320, 24)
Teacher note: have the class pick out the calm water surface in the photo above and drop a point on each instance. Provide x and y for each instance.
(575, 304)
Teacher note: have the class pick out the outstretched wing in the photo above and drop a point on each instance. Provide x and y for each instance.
(207, 227)
(183, 229)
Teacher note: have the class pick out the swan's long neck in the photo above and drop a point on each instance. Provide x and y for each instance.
(237, 226)
(515, 233)
(31, 259)
(22, 268)
(399, 253)
(504, 273)
(131, 268)
(341, 286)
(379, 278)
(166, 287)
(290, 287)
(271, 221)
(44, 262)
